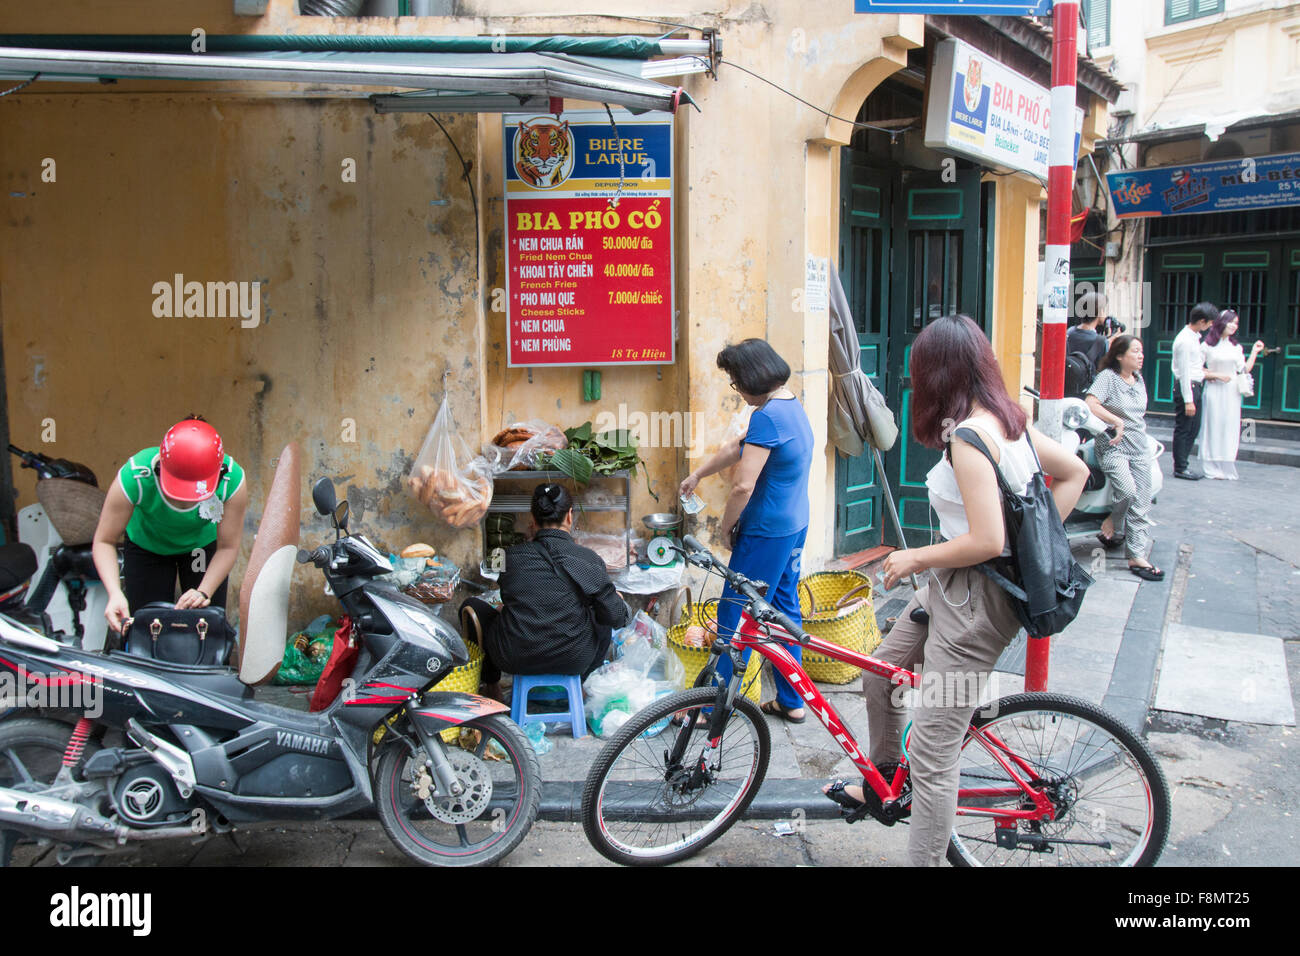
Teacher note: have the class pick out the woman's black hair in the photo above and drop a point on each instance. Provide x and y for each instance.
(1117, 350)
(551, 502)
(754, 366)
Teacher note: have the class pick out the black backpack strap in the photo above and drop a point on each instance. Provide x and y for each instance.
(970, 436)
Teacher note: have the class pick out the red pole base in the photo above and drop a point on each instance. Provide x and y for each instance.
(1036, 655)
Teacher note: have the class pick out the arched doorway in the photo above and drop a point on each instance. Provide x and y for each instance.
(912, 230)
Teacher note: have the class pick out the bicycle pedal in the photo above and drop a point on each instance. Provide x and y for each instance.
(853, 816)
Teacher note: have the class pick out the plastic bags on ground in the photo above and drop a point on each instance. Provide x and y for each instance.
(644, 669)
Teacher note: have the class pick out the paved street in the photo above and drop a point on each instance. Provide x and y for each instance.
(1232, 556)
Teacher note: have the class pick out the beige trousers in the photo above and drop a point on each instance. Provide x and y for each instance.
(971, 623)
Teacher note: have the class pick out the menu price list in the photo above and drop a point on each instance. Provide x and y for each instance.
(589, 283)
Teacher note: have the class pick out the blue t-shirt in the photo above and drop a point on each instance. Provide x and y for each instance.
(779, 504)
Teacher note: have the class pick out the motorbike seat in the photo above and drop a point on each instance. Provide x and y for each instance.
(220, 680)
(17, 565)
(75, 561)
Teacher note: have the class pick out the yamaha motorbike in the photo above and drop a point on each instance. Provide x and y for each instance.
(169, 751)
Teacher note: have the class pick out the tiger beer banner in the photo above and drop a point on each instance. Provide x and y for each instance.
(589, 257)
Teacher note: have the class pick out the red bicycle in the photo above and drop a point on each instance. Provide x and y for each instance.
(1046, 779)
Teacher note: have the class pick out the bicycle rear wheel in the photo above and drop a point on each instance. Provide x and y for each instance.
(1111, 796)
(637, 810)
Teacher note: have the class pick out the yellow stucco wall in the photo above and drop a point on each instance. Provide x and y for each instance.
(368, 288)
(375, 289)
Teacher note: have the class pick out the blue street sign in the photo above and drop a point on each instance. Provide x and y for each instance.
(980, 8)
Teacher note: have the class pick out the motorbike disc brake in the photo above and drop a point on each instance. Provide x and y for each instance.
(470, 803)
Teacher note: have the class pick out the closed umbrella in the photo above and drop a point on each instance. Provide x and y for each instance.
(858, 410)
(859, 416)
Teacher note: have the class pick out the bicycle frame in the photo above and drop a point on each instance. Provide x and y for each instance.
(752, 636)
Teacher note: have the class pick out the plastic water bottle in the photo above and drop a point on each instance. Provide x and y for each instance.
(536, 734)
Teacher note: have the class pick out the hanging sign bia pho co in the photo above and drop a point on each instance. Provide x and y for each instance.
(989, 112)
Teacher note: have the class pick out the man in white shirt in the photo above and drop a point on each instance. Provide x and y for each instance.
(1189, 373)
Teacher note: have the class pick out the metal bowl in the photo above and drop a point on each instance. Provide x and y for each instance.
(662, 521)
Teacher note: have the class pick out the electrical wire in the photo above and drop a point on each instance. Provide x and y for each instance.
(15, 89)
(473, 197)
(618, 194)
(894, 133)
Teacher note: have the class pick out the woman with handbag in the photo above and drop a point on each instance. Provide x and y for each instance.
(181, 508)
(1227, 380)
(766, 518)
(559, 607)
(956, 384)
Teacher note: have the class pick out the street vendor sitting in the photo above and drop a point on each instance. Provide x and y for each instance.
(558, 603)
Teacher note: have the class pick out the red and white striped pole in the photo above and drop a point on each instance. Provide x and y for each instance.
(1060, 188)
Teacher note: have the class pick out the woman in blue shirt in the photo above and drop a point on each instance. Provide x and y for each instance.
(766, 518)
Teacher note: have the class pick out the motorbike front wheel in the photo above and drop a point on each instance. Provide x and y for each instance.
(496, 765)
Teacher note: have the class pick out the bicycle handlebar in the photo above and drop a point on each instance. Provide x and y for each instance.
(759, 608)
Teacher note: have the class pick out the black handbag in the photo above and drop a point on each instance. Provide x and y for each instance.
(1044, 582)
(193, 636)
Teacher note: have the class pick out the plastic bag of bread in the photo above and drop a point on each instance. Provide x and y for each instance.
(446, 478)
(520, 445)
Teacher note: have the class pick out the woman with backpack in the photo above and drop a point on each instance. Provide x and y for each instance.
(956, 384)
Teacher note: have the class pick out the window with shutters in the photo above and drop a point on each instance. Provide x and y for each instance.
(1096, 17)
(1180, 11)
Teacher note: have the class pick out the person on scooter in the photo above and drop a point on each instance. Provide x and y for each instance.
(559, 607)
(181, 507)
(1118, 396)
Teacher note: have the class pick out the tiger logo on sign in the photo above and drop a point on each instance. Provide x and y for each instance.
(543, 153)
(974, 86)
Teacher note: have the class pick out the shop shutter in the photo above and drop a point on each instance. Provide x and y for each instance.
(1176, 11)
(1096, 15)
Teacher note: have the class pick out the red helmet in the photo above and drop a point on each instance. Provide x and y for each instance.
(190, 459)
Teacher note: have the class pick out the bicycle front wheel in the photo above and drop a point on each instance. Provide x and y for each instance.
(1111, 798)
(639, 810)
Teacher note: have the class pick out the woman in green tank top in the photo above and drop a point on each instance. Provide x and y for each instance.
(181, 507)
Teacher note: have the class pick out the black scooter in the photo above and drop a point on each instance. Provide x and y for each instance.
(167, 751)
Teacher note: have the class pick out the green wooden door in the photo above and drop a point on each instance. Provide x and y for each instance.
(1178, 283)
(935, 266)
(1286, 363)
(864, 252)
(1261, 281)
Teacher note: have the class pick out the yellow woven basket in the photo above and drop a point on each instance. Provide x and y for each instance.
(837, 607)
(694, 658)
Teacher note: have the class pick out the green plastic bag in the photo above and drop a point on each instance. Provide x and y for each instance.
(299, 668)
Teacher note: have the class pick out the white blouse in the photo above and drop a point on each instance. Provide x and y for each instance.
(1016, 461)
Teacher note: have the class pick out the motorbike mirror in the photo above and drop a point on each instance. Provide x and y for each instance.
(341, 514)
(1074, 416)
(322, 493)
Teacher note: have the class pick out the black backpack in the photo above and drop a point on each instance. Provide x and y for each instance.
(1046, 585)
(1078, 374)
